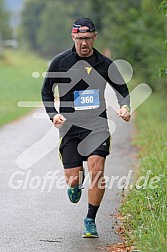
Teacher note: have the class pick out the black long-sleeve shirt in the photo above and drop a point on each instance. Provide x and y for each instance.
(87, 73)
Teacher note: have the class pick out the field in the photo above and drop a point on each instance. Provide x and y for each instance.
(17, 83)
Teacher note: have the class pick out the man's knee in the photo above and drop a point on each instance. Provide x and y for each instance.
(72, 176)
(96, 165)
(73, 181)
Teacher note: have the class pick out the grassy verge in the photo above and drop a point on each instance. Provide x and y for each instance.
(145, 209)
(17, 83)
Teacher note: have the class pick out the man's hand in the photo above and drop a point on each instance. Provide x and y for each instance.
(58, 120)
(124, 113)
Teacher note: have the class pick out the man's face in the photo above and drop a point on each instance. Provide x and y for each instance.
(84, 42)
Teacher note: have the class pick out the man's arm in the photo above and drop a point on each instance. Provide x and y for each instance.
(123, 97)
(122, 92)
(124, 113)
(47, 92)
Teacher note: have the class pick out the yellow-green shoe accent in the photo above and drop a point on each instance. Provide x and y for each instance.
(90, 230)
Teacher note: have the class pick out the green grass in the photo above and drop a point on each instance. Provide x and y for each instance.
(17, 83)
(145, 210)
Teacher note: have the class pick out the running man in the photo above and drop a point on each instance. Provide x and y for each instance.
(82, 119)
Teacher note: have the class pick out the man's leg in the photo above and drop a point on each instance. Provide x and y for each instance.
(95, 193)
(97, 183)
(74, 178)
(72, 162)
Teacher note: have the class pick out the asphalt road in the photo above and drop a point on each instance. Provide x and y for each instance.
(36, 215)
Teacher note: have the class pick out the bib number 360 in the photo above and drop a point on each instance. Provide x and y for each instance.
(86, 99)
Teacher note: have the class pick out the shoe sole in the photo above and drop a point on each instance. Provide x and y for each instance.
(89, 235)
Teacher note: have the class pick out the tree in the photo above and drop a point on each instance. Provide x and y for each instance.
(54, 32)
(5, 30)
(31, 21)
(46, 25)
(134, 30)
(163, 7)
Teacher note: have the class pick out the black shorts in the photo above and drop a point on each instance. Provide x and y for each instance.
(76, 148)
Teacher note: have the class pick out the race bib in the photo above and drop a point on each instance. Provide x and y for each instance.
(86, 99)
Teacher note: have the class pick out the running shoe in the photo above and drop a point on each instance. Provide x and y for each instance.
(90, 230)
(74, 193)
